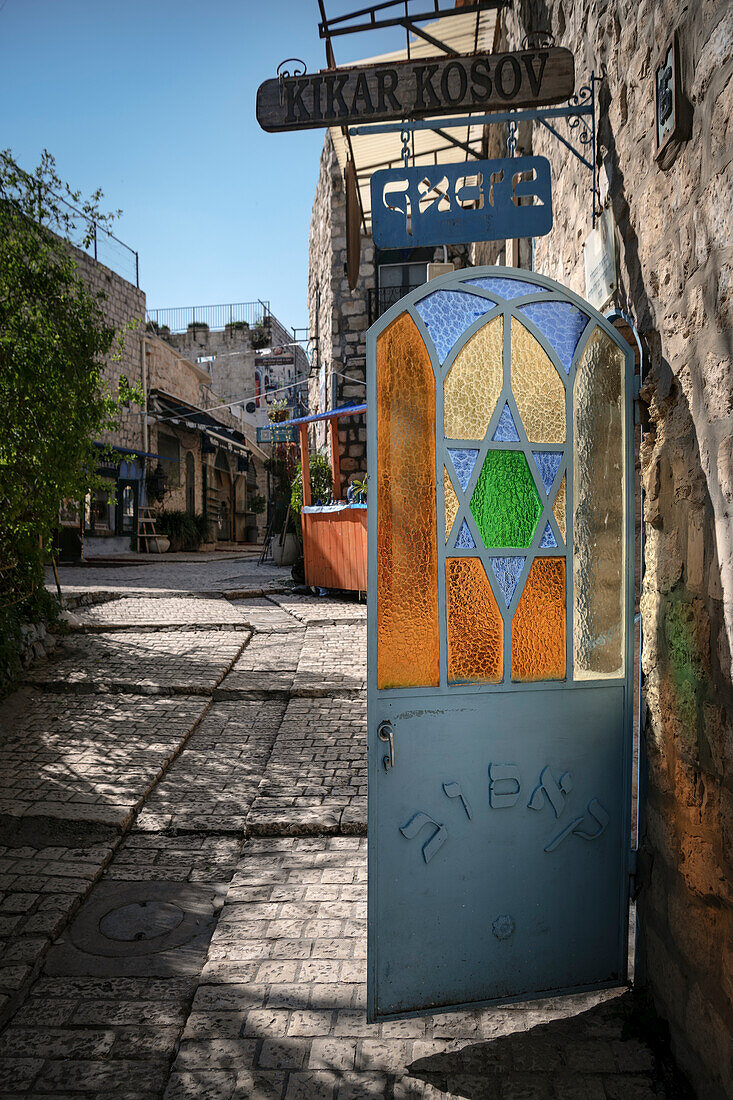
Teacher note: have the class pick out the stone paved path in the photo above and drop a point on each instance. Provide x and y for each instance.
(183, 881)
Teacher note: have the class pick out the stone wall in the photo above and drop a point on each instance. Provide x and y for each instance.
(675, 231)
(124, 308)
(338, 316)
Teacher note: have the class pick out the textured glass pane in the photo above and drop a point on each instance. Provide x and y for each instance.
(598, 510)
(538, 628)
(562, 323)
(463, 461)
(507, 571)
(559, 508)
(506, 429)
(407, 556)
(548, 463)
(473, 384)
(537, 387)
(464, 540)
(448, 313)
(505, 502)
(475, 627)
(548, 539)
(451, 503)
(507, 288)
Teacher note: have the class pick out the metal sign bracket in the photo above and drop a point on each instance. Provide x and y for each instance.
(579, 114)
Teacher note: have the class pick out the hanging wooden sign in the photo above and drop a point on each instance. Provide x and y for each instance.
(478, 200)
(415, 89)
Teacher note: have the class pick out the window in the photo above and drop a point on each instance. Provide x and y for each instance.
(169, 448)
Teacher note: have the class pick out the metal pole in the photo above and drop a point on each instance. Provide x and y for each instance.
(137, 271)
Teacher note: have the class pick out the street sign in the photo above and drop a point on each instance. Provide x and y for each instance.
(458, 203)
(415, 89)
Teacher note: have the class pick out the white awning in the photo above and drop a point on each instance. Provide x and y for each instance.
(474, 32)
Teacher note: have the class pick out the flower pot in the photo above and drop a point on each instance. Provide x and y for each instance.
(285, 553)
(159, 545)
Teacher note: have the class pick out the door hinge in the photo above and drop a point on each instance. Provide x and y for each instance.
(633, 869)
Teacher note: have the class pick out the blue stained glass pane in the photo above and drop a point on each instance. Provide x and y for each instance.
(562, 324)
(507, 288)
(506, 571)
(448, 313)
(464, 540)
(548, 463)
(548, 539)
(463, 461)
(506, 429)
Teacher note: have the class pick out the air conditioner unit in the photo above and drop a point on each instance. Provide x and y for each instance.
(434, 270)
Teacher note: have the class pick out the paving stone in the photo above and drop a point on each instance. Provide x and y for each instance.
(212, 785)
(315, 781)
(162, 611)
(267, 665)
(333, 659)
(171, 575)
(75, 768)
(309, 1023)
(321, 609)
(160, 663)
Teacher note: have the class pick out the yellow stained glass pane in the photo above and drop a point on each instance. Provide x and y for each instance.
(473, 384)
(475, 626)
(451, 503)
(599, 494)
(537, 388)
(559, 508)
(538, 628)
(407, 554)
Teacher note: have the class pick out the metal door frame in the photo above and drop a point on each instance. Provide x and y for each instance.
(455, 281)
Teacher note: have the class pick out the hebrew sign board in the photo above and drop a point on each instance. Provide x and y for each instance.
(482, 200)
(414, 89)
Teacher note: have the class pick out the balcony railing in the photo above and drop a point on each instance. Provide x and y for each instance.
(382, 298)
(216, 318)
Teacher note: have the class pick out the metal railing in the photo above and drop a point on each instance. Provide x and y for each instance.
(216, 318)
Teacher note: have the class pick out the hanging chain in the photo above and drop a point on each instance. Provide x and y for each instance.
(405, 137)
(511, 138)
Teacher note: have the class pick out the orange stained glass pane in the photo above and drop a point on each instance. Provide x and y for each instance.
(475, 626)
(473, 384)
(537, 388)
(451, 503)
(407, 554)
(558, 508)
(538, 629)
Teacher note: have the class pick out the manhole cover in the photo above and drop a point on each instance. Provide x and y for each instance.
(141, 921)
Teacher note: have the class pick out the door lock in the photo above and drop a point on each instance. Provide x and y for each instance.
(384, 732)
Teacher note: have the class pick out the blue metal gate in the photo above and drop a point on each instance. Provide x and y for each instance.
(500, 660)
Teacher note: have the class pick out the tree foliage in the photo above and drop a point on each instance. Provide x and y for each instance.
(54, 340)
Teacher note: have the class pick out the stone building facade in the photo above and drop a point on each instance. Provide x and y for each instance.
(675, 260)
(239, 370)
(110, 517)
(339, 317)
(674, 230)
(211, 471)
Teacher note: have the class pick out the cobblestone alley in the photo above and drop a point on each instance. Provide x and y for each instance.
(183, 813)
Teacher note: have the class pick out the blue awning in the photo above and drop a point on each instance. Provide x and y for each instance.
(344, 410)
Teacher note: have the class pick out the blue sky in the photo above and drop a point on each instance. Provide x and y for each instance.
(154, 102)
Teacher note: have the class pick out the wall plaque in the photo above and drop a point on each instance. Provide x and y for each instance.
(672, 109)
(414, 89)
(478, 200)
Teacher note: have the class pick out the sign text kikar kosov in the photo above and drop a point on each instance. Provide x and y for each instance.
(413, 89)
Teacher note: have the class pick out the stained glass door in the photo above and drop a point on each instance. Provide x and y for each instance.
(500, 644)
